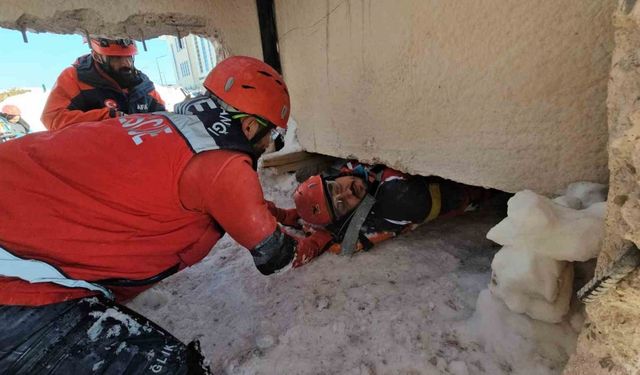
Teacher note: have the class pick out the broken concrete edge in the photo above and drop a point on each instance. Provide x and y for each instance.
(139, 27)
(231, 26)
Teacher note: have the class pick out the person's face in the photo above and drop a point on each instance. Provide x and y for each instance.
(250, 127)
(13, 118)
(121, 64)
(346, 193)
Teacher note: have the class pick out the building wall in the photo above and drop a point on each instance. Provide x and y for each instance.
(483, 92)
(193, 60)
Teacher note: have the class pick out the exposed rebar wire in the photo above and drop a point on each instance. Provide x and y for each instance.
(620, 268)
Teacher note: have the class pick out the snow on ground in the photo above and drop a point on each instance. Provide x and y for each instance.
(412, 305)
(32, 103)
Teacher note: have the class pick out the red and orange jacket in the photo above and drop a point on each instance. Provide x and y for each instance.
(127, 199)
(83, 93)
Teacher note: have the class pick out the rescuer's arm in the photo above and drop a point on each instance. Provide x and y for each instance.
(233, 197)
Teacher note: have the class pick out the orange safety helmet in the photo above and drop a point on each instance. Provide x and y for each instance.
(11, 109)
(251, 86)
(312, 203)
(114, 47)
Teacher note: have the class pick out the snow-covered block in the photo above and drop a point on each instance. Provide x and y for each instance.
(579, 195)
(517, 271)
(532, 284)
(570, 202)
(587, 193)
(537, 224)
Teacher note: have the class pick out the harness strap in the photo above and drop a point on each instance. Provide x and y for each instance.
(150, 280)
(357, 219)
(36, 271)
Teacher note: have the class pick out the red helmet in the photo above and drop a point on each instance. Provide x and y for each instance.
(11, 109)
(114, 47)
(312, 203)
(251, 86)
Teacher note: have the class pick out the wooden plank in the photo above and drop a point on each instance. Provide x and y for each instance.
(278, 160)
(292, 167)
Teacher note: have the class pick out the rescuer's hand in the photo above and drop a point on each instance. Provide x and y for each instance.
(285, 216)
(312, 246)
(291, 219)
(115, 113)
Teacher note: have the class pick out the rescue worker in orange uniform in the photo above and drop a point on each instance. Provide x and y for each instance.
(104, 210)
(101, 85)
(362, 205)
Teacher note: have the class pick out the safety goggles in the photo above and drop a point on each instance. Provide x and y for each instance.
(334, 189)
(121, 42)
(277, 135)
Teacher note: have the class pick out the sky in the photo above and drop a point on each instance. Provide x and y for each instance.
(45, 56)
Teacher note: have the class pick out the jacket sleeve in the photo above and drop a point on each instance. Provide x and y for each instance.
(157, 104)
(58, 112)
(284, 216)
(234, 198)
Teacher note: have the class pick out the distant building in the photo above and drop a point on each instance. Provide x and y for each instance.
(192, 60)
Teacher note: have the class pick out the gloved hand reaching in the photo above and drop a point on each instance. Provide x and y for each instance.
(312, 246)
(291, 218)
(285, 216)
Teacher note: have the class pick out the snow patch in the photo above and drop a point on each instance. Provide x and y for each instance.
(587, 193)
(265, 342)
(114, 331)
(121, 347)
(123, 319)
(97, 366)
(91, 300)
